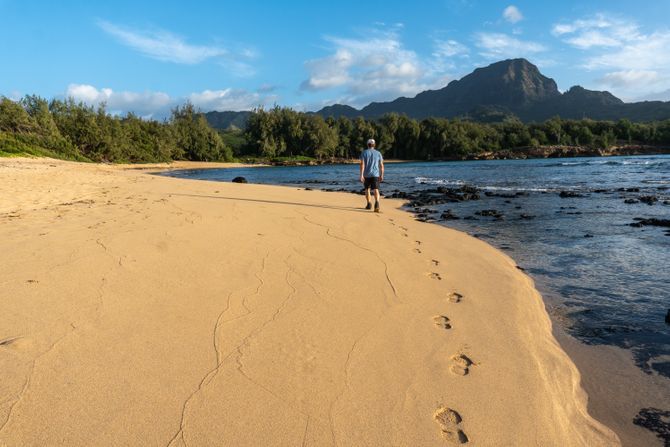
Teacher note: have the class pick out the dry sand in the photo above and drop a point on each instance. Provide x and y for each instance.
(143, 310)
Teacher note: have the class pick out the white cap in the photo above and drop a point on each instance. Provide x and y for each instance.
(371, 142)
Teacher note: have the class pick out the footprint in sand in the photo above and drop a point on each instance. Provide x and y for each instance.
(418, 242)
(416, 250)
(460, 364)
(434, 275)
(442, 321)
(435, 262)
(449, 422)
(455, 297)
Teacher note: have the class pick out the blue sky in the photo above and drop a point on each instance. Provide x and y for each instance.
(148, 56)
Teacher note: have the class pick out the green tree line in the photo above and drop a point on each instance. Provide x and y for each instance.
(285, 132)
(72, 130)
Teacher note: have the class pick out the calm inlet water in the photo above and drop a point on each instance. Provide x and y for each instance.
(605, 281)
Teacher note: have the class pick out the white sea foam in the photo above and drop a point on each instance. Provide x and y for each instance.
(438, 181)
(511, 188)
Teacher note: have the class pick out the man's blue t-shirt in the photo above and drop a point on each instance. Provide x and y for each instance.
(372, 158)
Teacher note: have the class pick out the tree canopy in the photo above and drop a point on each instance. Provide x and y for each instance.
(72, 130)
(67, 129)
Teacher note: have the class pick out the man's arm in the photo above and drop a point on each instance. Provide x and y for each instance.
(381, 170)
(362, 169)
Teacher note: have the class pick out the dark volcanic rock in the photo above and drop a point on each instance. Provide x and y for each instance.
(566, 194)
(397, 194)
(504, 195)
(653, 222)
(649, 200)
(490, 213)
(469, 189)
(527, 216)
(631, 201)
(655, 420)
(438, 196)
(667, 317)
(240, 180)
(448, 215)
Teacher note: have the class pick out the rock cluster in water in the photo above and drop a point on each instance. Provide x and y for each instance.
(653, 222)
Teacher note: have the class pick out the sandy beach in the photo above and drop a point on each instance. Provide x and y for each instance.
(145, 310)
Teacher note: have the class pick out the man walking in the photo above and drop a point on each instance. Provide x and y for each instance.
(372, 172)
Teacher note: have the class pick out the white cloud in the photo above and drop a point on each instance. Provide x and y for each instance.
(374, 67)
(378, 67)
(449, 48)
(648, 55)
(588, 39)
(512, 14)
(162, 45)
(497, 46)
(655, 96)
(167, 47)
(628, 78)
(157, 104)
(598, 31)
(630, 62)
(145, 103)
(229, 99)
(645, 52)
(330, 71)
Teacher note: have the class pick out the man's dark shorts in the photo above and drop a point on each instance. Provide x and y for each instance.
(371, 182)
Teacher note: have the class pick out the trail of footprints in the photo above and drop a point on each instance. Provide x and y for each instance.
(448, 420)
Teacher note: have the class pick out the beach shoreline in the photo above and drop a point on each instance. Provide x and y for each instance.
(174, 311)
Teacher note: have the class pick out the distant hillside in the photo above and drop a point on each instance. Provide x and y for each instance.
(226, 120)
(510, 87)
(339, 110)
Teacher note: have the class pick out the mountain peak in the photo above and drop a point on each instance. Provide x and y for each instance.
(510, 83)
(508, 87)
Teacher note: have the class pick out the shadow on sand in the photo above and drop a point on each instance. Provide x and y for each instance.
(275, 202)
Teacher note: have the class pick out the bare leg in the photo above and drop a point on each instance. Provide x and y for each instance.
(367, 194)
(376, 200)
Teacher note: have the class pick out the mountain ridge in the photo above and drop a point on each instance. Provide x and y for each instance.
(512, 87)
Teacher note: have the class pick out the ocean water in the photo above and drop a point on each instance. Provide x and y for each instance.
(605, 281)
